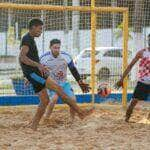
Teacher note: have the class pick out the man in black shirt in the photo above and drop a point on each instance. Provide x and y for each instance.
(36, 74)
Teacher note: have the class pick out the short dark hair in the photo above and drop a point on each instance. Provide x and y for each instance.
(55, 41)
(35, 22)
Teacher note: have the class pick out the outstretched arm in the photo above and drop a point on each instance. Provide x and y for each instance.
(129, 67)
(84, 86)
(74, 71)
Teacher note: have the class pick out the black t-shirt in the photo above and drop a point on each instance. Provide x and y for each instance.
(32, 54)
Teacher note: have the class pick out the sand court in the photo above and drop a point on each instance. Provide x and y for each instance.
(104, 129)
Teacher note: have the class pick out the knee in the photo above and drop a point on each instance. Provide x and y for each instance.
(43, 105)
(45, 102)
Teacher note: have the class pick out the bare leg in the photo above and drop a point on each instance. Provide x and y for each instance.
(51, 84)
(50, 107)
(72, 114)
(130, 109)
(40, 110)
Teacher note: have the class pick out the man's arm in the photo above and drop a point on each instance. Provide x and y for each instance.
(24, 59)
(74, 71)
(84, 87)
(129, 67)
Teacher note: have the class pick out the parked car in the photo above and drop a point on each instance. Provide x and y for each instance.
(108, 62)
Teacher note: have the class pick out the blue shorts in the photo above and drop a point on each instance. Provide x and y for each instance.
(66, 88)
(37, 81)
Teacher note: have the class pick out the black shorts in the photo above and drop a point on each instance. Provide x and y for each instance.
(37, 80)
(141, 91)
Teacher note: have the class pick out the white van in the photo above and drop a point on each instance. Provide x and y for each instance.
(108, 62)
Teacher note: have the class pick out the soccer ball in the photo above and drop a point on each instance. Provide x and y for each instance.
(103, 90)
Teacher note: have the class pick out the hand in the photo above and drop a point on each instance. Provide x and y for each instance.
(84, 86)
(26, 82)
(43, 69)
(119, 84)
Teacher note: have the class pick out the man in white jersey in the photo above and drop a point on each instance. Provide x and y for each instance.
(142, 89)
(57, 61)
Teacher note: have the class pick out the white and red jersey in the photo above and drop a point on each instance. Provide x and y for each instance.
(144, 67)
(57, 66)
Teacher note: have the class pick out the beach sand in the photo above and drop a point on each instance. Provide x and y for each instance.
(105, 129)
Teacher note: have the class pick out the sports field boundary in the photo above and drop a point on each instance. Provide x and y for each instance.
(81, 98)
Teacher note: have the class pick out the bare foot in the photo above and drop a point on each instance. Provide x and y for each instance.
(86, 113)
(32, 126)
